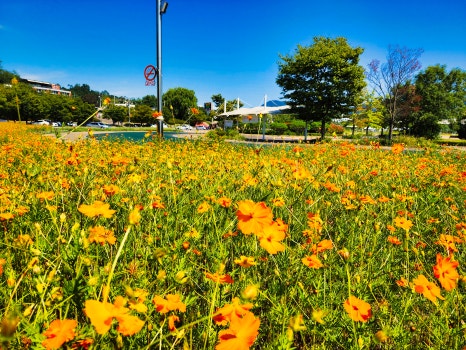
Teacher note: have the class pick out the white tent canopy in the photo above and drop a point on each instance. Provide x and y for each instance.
(256, 111)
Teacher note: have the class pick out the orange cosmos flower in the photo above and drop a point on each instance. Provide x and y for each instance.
(383, 199)
(219, 278)
(227, 312)
(252, 217)
(241, 334)
(203, 207)
(110, 190)
(314, 222)
(170, 303)
(278, 202)
(402, 282)
(250, 292)
(280, 225)
(101, 235)
(448, 242)
(445, 272)
(98, 208)
(23, 241)
(331, 187)
(393, 240)
(171, 322)
(271, 237)
(397, 148)
(357, 309)
(245, 261)
(2, 262)
(430, 290)
(403, 223)
(322, 246)
(224, 202)
(102, 315)
(107, 100)
(134, 216)
(6, 216)
(312, 262)
(58, 333)
(158, 205)
(45, 195)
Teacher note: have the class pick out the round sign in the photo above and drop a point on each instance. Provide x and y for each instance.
(150, 72)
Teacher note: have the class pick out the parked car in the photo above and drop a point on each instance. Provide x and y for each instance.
(56, 124)
(97, 125)
(155, 125)
(184, 127)
(42, 122)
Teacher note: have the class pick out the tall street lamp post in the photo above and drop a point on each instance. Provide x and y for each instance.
(161, 8)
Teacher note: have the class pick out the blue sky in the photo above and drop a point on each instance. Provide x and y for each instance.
(229, 47)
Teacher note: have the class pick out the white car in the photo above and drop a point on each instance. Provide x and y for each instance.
(184, 127)
(155, 125)
(97, 125)
(42, 122)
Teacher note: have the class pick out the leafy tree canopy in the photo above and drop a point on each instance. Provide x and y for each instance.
(323, 80)
(180, 101)
(443, 93)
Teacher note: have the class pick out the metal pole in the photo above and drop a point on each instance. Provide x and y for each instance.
(159, 66)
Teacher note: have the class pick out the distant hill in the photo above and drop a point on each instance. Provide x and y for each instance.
(275, 103)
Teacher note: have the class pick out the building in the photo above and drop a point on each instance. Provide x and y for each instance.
(50, 88)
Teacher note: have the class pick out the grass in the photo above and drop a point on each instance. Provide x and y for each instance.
(175, 223)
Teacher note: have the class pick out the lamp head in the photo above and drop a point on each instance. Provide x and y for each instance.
(163, 9)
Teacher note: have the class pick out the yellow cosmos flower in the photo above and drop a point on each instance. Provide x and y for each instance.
(245, 261)
(96, 209)
(403, 223)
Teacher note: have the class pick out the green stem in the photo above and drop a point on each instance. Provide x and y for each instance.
(106, 291)
(349, 294)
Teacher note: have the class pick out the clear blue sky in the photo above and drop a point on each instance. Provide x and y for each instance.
(229, 47)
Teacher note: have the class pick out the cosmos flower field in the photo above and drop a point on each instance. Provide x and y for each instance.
(201, 244)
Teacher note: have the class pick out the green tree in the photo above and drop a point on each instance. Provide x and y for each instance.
(6, 76)
(323, 80)
(148, 100)
(116, 113)
(389, 78)
(443, 94)
(142, 114)
(181, 100)
(7, 103)
(220, 102)
(408, 108)
(86, 94)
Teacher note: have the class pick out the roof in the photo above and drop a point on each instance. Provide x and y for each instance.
(256, 110)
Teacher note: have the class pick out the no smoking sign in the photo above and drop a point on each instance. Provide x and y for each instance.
(150, 72)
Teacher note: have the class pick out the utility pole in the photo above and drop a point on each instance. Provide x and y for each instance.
(161, 9)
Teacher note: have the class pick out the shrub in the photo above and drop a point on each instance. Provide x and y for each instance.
(278, 128)
(462, 131)
(297, 126)
(335, 128)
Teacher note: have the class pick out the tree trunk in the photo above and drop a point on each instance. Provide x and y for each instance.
(322, 130)
(305, 133)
